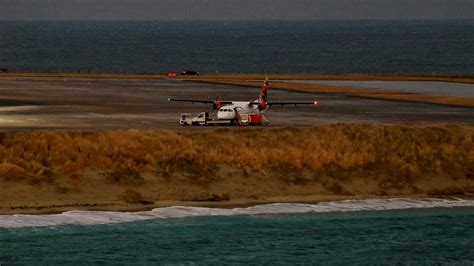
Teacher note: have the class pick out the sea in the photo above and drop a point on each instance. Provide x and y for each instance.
(374, 231)
(436, 47)
(390, 231)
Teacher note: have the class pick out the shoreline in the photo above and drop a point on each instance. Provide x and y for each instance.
(242, 203)
(120, 206)
(247, 76)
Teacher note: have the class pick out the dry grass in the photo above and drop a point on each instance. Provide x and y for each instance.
(40, 171)
(394, 154)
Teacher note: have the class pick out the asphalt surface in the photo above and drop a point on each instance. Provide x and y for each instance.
(98, 104)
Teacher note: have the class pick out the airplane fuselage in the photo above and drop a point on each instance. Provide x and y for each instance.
(245, 108)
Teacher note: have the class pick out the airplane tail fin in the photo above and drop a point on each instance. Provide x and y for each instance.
(217, 104)
(262, 99)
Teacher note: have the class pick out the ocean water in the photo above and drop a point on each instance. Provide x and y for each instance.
(421, 231)
(424, 47)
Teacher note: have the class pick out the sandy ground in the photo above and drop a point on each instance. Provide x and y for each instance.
(100, 104)
(233, 189)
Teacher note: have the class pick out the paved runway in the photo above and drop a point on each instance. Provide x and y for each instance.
(74, 104)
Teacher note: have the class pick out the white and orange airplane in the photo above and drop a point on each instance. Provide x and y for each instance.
(240, 112)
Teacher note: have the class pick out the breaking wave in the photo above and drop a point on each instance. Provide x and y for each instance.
(105, 217)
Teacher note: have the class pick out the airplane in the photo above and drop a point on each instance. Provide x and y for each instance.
(234, 110)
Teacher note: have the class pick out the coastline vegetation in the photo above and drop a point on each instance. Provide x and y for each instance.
(252, 163)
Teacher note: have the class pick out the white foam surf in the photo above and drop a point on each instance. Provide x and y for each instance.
(105, 217)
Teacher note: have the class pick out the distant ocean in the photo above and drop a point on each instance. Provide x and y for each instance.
(393, 231)
(423, 47)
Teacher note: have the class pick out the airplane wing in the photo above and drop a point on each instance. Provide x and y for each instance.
(198, 101)
(293, 103)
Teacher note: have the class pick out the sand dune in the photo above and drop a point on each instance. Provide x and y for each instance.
(53, 171)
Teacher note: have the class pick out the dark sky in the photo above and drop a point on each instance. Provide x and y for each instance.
(234, 9)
